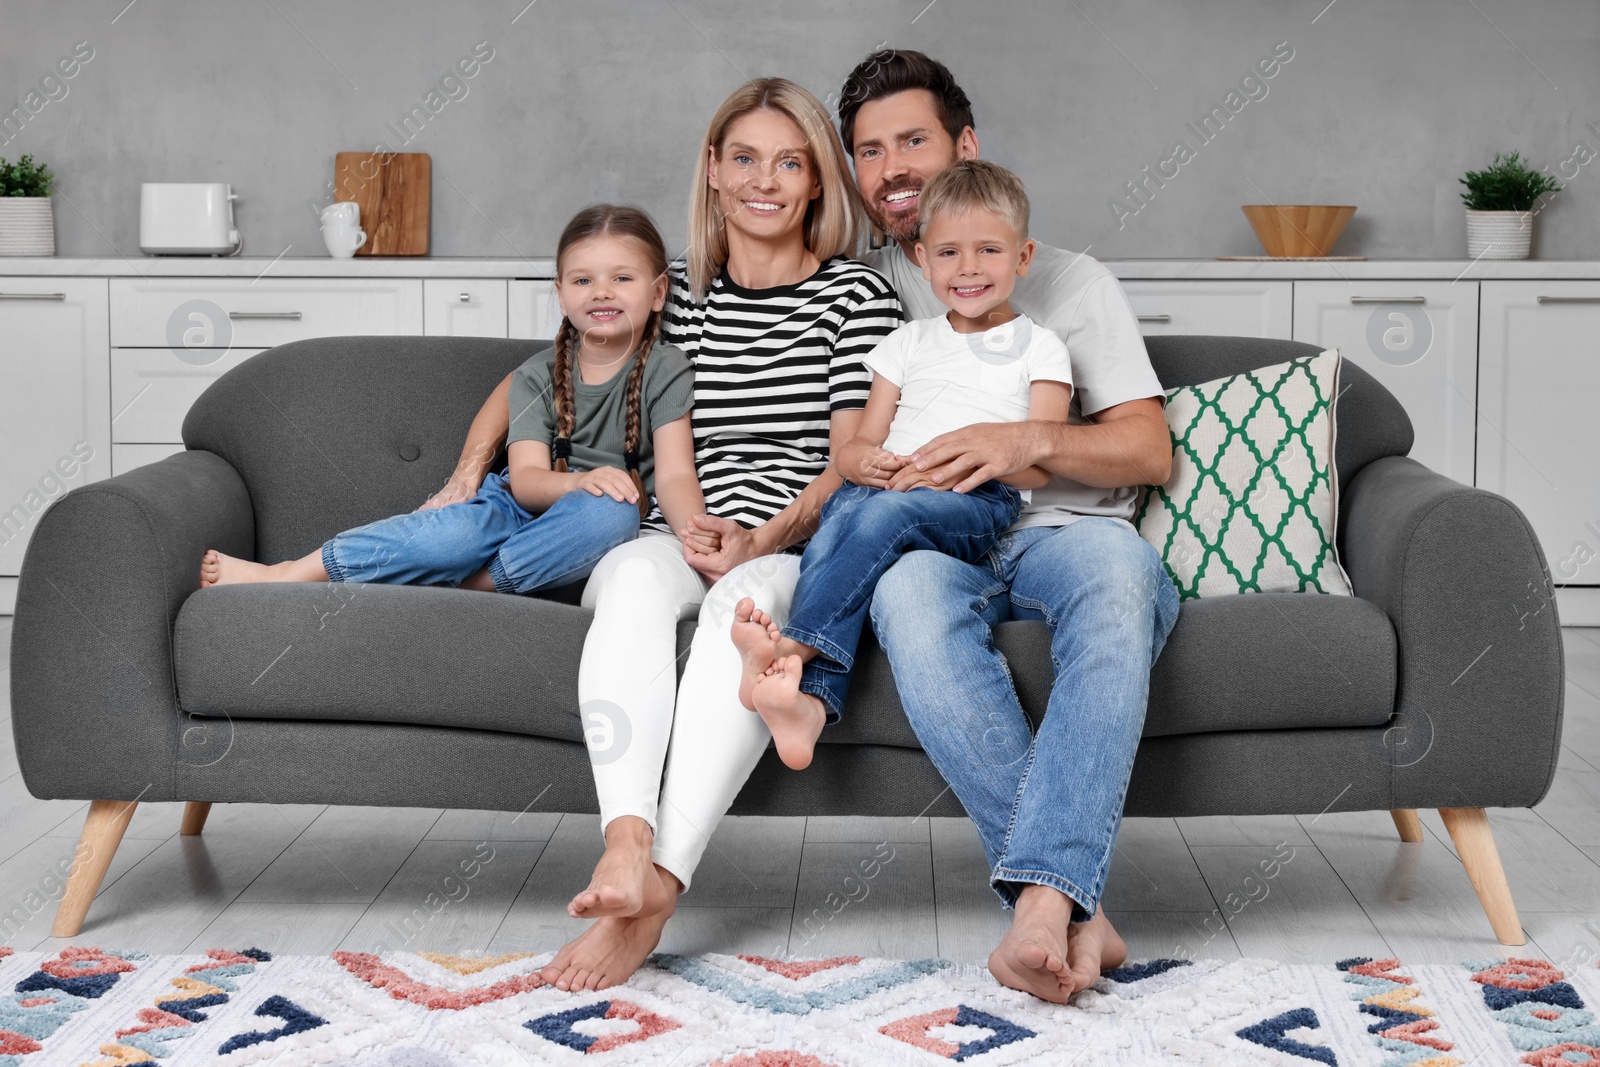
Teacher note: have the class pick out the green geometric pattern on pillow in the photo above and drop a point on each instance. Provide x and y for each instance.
(1251, 506)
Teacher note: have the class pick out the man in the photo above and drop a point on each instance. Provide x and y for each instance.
(1048, 808)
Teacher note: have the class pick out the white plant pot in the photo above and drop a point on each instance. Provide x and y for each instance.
(1499, 234)
(27, 226)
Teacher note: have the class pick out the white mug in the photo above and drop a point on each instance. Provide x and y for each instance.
(344, 210)
(342, 238)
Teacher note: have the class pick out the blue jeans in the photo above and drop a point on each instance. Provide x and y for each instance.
(447, 545)
(1048, 807)
(861, 534)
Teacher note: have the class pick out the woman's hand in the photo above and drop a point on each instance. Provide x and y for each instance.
(735, 546)
(609, 481)
(456, 491)
(699, 540)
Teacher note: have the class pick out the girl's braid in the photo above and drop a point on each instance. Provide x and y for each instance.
(630, 446)
(561, 394)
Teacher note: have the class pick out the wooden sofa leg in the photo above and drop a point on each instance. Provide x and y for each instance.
(1469, 829)
(194, 817)
(1406, 821)
(102, 833)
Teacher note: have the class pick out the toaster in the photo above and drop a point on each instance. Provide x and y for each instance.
(187, 219)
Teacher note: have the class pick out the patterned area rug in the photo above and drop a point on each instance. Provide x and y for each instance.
(87, 1006)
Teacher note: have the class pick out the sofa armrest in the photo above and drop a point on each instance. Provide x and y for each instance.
(1462, 578)
(93, 702)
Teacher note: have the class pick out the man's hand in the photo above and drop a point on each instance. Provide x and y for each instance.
(735, 546)
(455, 491)
(966, 458)
(909, 478)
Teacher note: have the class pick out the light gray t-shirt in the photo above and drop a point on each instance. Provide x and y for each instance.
(1082, 302)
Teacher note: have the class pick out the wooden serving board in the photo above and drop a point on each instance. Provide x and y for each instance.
(394, 190)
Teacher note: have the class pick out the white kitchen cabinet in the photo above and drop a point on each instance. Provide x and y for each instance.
(534, 313)
(55, 407)
(1419, 339)
(1239, 309)
(467, 307)
(1538, 436)
(182, 313)
(153, 388)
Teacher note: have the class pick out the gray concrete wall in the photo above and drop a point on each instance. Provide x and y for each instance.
(1382, 105)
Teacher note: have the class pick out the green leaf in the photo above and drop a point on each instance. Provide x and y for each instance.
(1506, 185)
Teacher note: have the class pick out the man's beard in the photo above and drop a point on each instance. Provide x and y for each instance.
(906, 228)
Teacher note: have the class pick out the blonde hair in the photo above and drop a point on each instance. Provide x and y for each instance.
(834, 220)
(975, 183)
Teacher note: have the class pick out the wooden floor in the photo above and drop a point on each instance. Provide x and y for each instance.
(312, 879)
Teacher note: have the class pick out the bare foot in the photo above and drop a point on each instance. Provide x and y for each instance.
(613, 948)
(1033, 955)
(480, 581)
(795, 718)
(625, 882)
(1093, 947)
(756, 638)
(217, 568)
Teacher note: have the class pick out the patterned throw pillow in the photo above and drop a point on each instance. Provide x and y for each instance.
(1250, 506)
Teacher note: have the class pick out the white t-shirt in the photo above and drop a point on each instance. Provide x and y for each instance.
(1083, 304)
(948, 380)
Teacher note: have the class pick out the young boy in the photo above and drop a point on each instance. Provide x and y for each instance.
(980, 362)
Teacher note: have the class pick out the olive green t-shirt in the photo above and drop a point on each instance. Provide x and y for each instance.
(601, 411)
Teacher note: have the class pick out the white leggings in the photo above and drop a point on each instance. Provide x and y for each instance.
(628, 691)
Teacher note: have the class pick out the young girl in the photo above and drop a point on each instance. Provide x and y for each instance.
(608, 404)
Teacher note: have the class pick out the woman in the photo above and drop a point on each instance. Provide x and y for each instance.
(776, 318)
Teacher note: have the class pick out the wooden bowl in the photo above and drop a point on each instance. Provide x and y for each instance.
(1298, 229)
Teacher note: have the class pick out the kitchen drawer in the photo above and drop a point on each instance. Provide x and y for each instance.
(232, 312)
(1237, 309)
(534, 313)
(152, 388)
(125, 458)
(468, 307)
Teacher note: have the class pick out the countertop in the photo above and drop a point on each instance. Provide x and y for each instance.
(471, 267)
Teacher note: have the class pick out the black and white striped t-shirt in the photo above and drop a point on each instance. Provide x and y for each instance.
(770, 365)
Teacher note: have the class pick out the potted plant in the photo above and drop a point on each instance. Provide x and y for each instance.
(1500, 212)
(27, 223)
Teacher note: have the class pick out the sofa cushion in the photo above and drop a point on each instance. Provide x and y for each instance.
(1250, 506)
(445, 657)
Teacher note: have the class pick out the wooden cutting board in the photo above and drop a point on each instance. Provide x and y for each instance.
(394, 190)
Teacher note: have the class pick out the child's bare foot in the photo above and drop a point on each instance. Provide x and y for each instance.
(756, 638)
(795, 718)
(218, 568)
(625, 881)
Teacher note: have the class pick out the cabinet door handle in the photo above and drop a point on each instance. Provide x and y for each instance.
(1155, 318)
(1388, 300)
(33, 296)
(1569, 299)
(236, 315)
(466, 298)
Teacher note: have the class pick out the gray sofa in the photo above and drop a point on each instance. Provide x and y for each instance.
(128, 684)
